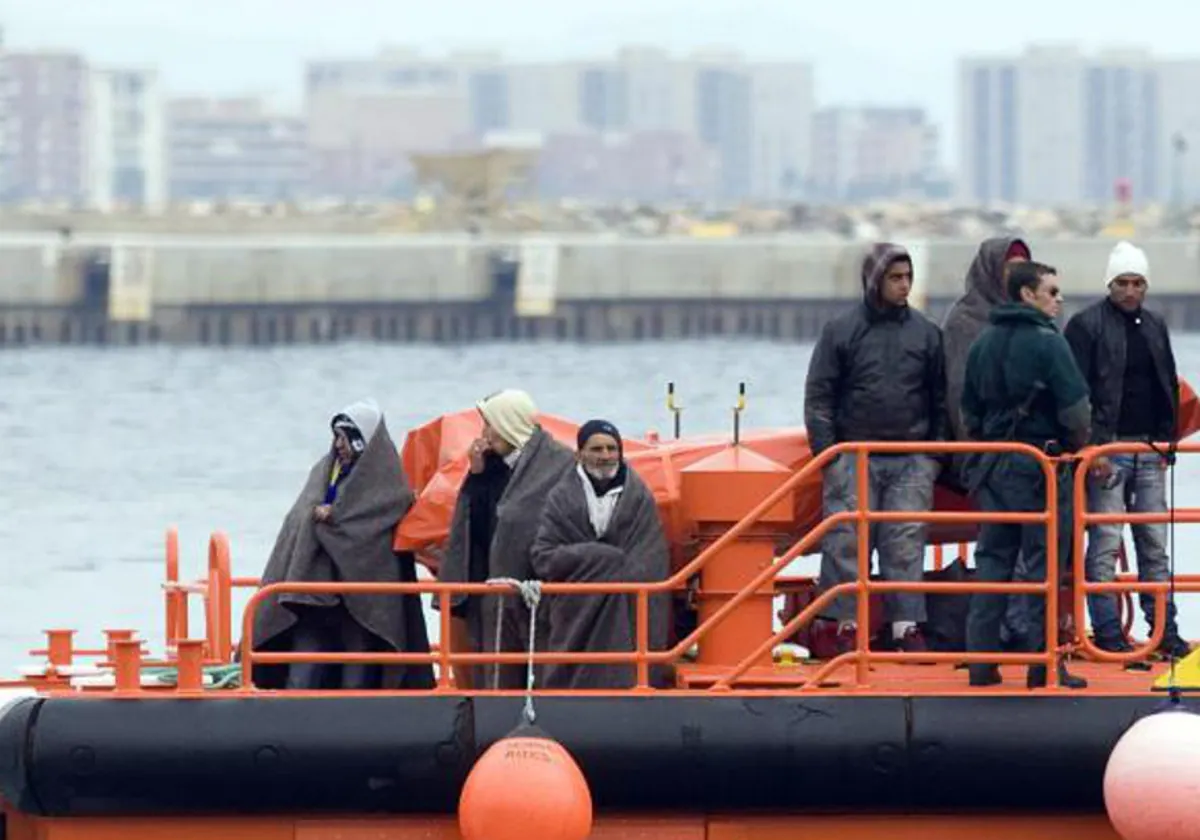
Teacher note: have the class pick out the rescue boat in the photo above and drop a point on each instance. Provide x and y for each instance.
(129, 739)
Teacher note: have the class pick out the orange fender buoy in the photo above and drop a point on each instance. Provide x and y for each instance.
(525, 786)
(1152, 781)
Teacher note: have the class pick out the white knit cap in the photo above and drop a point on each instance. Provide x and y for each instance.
(1127, 258)
(511, 413)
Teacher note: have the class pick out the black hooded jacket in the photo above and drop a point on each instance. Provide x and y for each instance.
(968, 318)
(877, 372)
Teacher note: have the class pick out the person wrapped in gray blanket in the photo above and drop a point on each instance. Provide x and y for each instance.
(600, 525)
(513, 467)
(340, 529)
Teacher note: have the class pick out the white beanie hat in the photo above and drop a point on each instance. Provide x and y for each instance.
(1127, 258)
(511, 413)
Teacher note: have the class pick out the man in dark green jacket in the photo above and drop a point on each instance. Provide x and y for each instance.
(1021, 384)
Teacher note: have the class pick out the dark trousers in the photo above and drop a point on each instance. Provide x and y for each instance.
(328, 630)
(1015, 484)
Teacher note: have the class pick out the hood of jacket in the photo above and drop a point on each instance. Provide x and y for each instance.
(875, 266)
(985, 277)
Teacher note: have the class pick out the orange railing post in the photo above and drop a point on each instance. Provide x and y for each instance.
(862, 632)
(219, 599)
(175, 600)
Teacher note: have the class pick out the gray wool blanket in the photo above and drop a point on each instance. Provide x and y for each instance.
(354, 545)
(542, 463)
(633, 549)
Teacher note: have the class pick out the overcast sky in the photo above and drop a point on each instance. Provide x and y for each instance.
(869, 51)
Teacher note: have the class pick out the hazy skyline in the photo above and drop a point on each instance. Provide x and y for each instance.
(866, 52)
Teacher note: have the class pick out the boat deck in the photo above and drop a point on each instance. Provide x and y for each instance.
(940, 679)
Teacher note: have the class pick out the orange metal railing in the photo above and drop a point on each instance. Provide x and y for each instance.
(643, 658)
(1124, 583)
(862, 656)
(215, 591)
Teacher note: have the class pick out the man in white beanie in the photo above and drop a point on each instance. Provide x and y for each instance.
(1124, 352)
(513, 467)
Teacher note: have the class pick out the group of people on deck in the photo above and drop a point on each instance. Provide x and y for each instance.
(530, 508)
(998, 369)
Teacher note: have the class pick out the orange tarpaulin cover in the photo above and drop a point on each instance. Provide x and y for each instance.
(435, 460)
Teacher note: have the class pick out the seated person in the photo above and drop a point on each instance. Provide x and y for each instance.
(340, 529)
(513, 467)
(600, 525)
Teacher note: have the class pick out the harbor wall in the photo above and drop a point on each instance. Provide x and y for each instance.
(103, 288)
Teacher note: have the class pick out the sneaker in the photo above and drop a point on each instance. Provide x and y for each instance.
(1121, 645)
(913, 641)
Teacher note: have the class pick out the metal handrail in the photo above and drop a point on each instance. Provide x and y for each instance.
(862, 656)
(642, 657)
(1083, 518)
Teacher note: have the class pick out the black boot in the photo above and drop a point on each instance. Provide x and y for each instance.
(982, 676)
(1036, 677)
(1173, 646)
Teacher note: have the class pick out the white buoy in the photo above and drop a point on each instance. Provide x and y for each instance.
(1152, 781)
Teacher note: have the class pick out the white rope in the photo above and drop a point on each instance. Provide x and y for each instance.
(531, 594)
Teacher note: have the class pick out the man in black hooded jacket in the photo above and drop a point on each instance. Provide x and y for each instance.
(986, 288)
(877, 374)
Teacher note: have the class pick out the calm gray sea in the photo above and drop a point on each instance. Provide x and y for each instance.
(106, 448)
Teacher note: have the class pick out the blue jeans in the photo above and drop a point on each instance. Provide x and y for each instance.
(1137, 485)
(895, 483)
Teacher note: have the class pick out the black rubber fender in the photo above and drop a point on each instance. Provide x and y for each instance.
(1029, 753)
(16, 734)
(67, 757)
(724, 753)
(241, 755)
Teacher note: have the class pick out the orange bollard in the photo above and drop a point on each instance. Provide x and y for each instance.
(128, 665)
(717, 492)
(111, 637)
(60, 649)
(191, 674)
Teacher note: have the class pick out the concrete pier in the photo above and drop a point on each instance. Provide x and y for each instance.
(251, 290)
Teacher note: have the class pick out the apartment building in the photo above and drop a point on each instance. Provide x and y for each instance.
(234, 150)
(1056, 126)
(873, 153)
(755, 118)
(127, 144)
(366, 117)
(44, 142)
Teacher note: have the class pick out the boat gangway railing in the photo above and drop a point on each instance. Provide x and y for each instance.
(216, 590)
(1125, 584)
